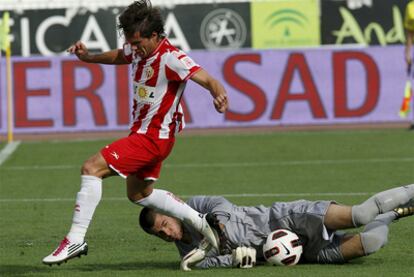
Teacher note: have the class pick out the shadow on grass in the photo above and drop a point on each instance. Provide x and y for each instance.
(67, 269)
(18, 270)
(138, 265)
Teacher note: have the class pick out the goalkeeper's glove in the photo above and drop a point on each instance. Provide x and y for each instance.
(196, 255)
(191, 258)
(244, 257)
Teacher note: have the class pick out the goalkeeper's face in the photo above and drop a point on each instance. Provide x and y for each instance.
(167, 228)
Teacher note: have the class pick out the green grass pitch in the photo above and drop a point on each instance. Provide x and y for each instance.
(38, 184)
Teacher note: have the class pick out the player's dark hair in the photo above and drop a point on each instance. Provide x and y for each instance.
(141, 17)
(146, 219)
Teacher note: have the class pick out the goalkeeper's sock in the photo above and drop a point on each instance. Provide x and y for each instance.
(381, 202)
(87, 200)
(167, 203)
(375, 234)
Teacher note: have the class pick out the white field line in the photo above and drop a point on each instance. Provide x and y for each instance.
(296, 133)
(241, 195)
(8, 150)
(230, 164)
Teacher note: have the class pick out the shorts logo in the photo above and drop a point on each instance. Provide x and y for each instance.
(115, 155)
(223, 28)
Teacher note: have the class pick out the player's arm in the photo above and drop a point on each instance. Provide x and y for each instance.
(115, 56)
(197, 258)
(216, 261)
(216, 89)
(242, 257)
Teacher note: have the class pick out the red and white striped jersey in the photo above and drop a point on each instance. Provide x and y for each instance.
(158, 83)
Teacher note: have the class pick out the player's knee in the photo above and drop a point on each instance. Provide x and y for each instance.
(96, 166)
(89, 168)
(133, 198)
(372, 242)
(389, 199)
(139, 192)
(361, 216)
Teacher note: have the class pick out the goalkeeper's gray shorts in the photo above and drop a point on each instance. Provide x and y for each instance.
(305, 218)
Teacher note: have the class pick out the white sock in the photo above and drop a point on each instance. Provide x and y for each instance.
(167, 203)
(87, 200)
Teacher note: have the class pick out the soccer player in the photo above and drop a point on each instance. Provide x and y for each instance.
(160, 73)
(316, 223)
(409, 31)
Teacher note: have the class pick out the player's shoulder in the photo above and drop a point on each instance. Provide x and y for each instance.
(196, 198)
(210, 201)
(168, 49)
(205, 199)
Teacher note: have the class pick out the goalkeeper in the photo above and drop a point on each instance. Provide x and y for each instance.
(243, 230)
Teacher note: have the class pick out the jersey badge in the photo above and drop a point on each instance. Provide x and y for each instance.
(149, 72)
(144, 94)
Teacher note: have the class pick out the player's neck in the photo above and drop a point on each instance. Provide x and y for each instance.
(187, 239)
(156, 46)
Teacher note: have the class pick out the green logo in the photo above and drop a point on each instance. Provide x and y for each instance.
(285, 18)
(285, 23)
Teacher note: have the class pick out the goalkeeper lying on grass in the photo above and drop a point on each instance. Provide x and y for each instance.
(242, 231)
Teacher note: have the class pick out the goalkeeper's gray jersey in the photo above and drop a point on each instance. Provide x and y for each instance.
(249, 226)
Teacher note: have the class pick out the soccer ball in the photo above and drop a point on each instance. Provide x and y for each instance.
(282, 247)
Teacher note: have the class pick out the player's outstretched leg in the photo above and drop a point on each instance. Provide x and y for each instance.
(73, 245)
(167, 203)
(375, 234)
(381, 202)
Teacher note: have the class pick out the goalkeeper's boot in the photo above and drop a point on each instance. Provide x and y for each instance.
(209, 234)
(66, 251)
(405, 210)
